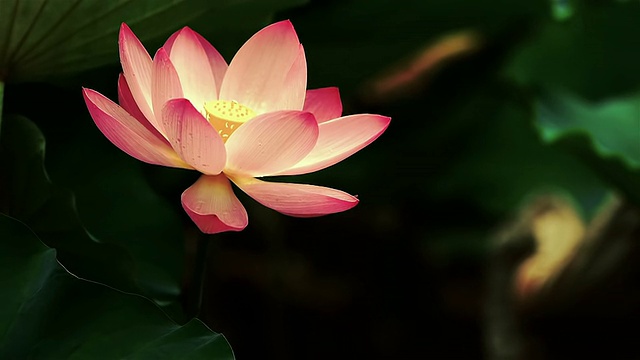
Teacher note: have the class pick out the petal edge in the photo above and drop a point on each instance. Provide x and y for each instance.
(137, 67)
(270, 143)
(338, 139)
(191, 62)
(258, 74)
(127, 133)
(298, 200)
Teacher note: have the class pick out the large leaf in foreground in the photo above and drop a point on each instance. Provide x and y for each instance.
(40, 38)
(47, 313)
(27, 194)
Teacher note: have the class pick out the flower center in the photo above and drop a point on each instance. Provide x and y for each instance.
(227, 115)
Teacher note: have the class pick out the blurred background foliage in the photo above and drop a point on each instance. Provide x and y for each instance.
(498, 213)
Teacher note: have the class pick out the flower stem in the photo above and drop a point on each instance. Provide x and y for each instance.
(194, 305)
(1, 102)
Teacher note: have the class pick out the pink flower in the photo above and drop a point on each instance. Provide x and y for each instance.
(187, 108)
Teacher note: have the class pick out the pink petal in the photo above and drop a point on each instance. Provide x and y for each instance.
(340, 138)
(271, 143)
(166, 85)
(262, 70)
(193, 138)
(213, 206)
(128, 134)
(295, 83)
(194, 70)
(323, 103)
(168, 45)
(137, 67)
(216, 61)
(129, 104)
(298, 200)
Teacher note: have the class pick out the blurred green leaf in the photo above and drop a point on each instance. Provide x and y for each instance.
(606, 135)
(613, 169)
(594, 54)
(40, 38)
(48, 313)
(562, 9)
(117, 205)
(613, 125)
(50, 211)
(505, 160)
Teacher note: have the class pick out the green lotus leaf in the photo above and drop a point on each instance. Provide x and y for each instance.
(614, 125)
(605, 134)
(51, 212)
(48, 313)
(41, 39)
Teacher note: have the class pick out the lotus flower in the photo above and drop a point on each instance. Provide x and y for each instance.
(187, 108)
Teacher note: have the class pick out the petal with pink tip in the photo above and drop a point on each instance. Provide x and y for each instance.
(216, 61)
(213, 206)
(166, 85)
(340, 138)
(298, 200)
(260, 72)
(137, 66)
(128, 134)
(271, 143)
(323, 103)
(193, 138)
(168, 45)
(194, 70)
(129, 104)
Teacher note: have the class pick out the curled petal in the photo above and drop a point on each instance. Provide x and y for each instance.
(137, 66)
(216, 62)
(338, 139)
(271, 143)
(194, 70)
(213, 206)
(166, 86)
(262, 70)
(298, 200)
(128, 134)
(193, 138)
(323, 103)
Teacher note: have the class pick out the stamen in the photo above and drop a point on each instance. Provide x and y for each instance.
(227, 116)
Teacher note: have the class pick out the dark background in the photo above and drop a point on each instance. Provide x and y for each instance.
(421, 268)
